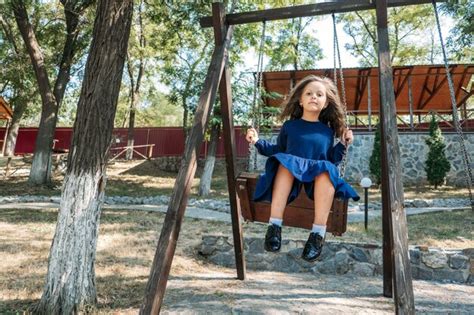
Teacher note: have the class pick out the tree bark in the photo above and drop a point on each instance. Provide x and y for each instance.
(206, 178)
(70, 281)
(40, 170)
(18, 111)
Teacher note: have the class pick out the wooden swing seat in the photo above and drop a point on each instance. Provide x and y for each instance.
(299, 213)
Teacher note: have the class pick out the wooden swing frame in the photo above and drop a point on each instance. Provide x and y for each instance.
(396, 263)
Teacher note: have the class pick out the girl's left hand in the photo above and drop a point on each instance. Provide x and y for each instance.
(347, 137)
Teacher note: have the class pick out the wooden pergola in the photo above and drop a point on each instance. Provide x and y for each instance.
(396, 264)
(419, 89)
(5, 114)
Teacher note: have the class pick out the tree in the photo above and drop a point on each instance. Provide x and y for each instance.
(51, 96)
(375, 163)
(461, 39)
(289, 46)
(135, 82)
(70, 281)
(437, 165)
(16, 77)
(185, 54)
(409, 35)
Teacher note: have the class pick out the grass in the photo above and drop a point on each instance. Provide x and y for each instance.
(127, 242)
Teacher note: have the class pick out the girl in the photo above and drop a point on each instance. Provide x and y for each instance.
(305, 155)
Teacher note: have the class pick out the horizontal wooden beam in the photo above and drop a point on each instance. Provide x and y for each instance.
(323, 8)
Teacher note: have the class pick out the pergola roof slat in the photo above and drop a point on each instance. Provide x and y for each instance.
(429, 86)
(5, 110)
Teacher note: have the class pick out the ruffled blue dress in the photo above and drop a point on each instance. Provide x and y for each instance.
(306, 149)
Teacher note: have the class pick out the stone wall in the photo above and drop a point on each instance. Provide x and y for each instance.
(413, 151)
(343, 258)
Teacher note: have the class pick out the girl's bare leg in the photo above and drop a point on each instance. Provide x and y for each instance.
(323, 197)
(281, 189)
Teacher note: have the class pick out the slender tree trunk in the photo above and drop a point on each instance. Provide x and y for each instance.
(131, 112)
(51, 98)
(185, 119)
(70, 281)
(135, 90)
(131, 132)
(206, 178)
(18, 111)
(40, 170)
(69, 49)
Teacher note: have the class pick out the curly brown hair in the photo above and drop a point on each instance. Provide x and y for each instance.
(332, 115)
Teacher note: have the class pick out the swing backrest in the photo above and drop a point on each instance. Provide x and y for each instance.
(299, 213)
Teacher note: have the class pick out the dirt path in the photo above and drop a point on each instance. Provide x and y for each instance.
(218, 292)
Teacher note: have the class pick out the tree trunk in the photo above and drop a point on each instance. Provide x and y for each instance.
(12, 135)
(185, 119)
(135, 90)
(40, 170)
(206, 178)
(70, 281)
(131, 112)
(131, 132)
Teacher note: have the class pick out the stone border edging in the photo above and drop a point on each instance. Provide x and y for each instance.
(224, 206)
(339, 258)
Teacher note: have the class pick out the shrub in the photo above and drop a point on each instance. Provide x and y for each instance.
(375, 163)
(437, 165)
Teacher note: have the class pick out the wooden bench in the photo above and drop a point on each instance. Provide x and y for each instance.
(299, 213)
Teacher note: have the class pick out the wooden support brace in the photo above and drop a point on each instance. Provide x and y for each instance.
(394, 218)
(225, 94)
(323, 8)
(160, 269)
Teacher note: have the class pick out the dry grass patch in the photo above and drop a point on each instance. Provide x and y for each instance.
(127, 243)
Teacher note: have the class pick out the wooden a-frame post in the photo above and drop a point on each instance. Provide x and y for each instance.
(395, 243)
(225, 94)
(396, 261)
(161, 266)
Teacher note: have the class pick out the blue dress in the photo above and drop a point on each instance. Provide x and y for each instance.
(306, 149)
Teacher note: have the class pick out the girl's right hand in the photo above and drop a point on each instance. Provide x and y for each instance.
(252, 135)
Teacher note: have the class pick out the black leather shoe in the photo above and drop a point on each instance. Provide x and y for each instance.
(273, 238)
(313, 247)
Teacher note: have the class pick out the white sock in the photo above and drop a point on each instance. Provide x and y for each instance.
(276, 221)
(320, 229)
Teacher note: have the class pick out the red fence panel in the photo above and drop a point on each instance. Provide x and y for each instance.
(168, 141)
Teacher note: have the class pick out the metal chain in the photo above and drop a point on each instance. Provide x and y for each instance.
(342, 166)
(457, 125)
(334, 50)
(255, 120)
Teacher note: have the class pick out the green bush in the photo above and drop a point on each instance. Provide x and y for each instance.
(375, 163)
(436, 165)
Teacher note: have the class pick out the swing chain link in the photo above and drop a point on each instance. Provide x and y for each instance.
(343, 164)
(457, 124)
(255, 120)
